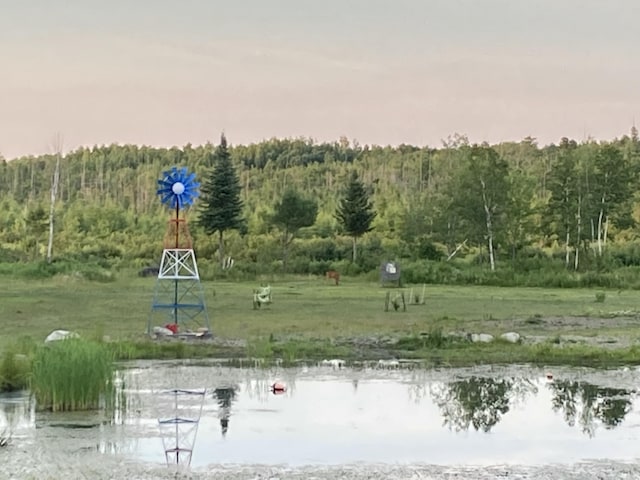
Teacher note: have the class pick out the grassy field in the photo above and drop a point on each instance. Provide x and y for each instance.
(315, 310)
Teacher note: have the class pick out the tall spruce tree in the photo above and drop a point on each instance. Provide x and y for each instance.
(221, 206)
(355, 212)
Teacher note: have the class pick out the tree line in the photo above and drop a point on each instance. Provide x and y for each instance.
(299, 205)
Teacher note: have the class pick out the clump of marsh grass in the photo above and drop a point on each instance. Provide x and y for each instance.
(73, 374)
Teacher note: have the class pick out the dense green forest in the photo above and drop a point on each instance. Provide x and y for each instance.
(510, 213)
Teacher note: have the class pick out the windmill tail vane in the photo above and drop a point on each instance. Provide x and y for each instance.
(178, 189)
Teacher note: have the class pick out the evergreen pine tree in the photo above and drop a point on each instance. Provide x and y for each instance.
(221, 206)
(355, 212)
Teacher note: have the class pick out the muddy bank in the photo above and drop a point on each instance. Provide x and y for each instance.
(21, 464)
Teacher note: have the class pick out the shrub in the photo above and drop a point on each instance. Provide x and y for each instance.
(14, 370)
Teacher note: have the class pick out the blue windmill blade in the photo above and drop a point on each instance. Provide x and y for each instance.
(165, 182)
(164, 189)
(190, 194)
(178, 188)
(191, 179)
(167, 198)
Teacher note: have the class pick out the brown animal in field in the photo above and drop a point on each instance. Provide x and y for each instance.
(332, 274)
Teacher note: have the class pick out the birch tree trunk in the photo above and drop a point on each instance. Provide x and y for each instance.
(599, 230)
(489, 223)
(579, 232)
(54, 194)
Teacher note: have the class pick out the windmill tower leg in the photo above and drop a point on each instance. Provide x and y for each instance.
(179, 297)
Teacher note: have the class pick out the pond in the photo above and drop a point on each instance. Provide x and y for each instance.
(513, 418)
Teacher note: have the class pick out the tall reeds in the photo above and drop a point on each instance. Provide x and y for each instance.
(73, 374)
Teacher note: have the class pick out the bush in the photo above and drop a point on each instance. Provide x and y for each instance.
(14, 370)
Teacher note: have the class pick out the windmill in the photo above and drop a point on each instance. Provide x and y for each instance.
(178, 304)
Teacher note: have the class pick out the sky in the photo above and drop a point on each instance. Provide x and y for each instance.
(379, 72)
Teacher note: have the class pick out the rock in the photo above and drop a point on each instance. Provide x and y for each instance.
(60, 335)
(481, 338)
(512, 337)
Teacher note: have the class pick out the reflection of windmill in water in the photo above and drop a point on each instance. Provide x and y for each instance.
(178, 307)
(180, 427)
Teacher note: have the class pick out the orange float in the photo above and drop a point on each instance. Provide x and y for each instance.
(278, 388)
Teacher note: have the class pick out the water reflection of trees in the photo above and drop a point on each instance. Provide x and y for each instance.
(588, 404)
(478, 402)
(225, 397)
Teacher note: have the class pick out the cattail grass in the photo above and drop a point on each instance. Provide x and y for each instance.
(72, 374)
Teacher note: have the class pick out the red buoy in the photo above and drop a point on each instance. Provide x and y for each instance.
(278, 387)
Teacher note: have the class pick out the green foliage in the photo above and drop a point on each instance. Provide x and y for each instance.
(72, 374)
(600, 297)
(108, 215)
(355, 211)
(42, 270)
(292, 213)
(14, 368)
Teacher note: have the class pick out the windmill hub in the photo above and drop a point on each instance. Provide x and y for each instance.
(178, 188)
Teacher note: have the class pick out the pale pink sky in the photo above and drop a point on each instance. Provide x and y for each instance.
(169, 72)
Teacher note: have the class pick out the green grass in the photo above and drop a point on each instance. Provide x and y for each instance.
(72, 375)
(313, 318)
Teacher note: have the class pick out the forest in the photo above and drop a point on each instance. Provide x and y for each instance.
(513, 213)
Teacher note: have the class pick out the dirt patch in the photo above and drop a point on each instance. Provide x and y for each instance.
(613, 332)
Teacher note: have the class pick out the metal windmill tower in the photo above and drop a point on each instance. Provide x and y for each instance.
(178, 301)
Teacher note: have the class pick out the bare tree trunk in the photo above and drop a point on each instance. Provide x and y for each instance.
(452, 254)
(221, 248)
(579, 232)
(599, 230)
(57, 145)
(567, 248)
(353, 252)
(489, 224)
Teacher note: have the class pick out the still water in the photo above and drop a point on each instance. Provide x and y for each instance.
(338, 416)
